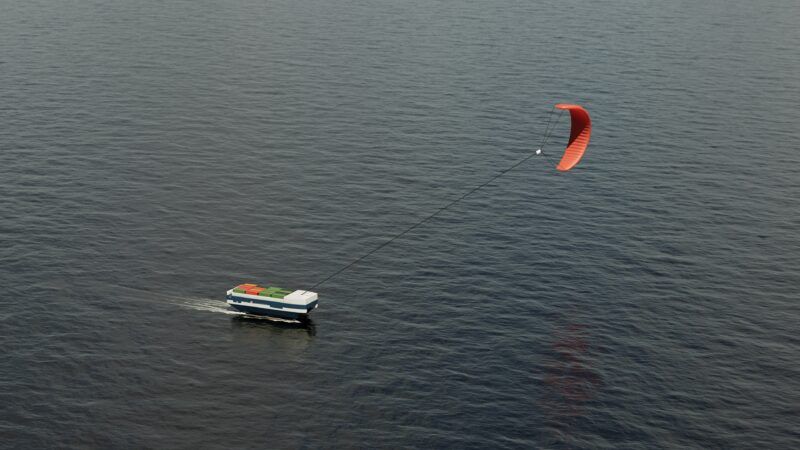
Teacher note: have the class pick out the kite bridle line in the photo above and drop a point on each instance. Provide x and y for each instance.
(547, 128)
(548, 133)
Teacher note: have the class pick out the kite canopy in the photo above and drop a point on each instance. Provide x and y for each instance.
(580, 132)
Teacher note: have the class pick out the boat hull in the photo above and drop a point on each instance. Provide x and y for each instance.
(254, 311)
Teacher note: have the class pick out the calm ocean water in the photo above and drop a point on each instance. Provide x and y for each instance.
(155, 153)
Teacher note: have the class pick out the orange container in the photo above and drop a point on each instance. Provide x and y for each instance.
(254, 290)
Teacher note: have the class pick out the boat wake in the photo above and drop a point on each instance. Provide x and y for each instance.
(209, 305)
(218, 306)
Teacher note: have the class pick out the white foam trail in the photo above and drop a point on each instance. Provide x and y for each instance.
(218, 306)
(208, 305)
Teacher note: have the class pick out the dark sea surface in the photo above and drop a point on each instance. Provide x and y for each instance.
(153, 154)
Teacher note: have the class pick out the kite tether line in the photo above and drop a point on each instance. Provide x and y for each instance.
(547, 133)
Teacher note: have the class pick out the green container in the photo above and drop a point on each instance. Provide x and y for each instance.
(239, 291)
(277, 295)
